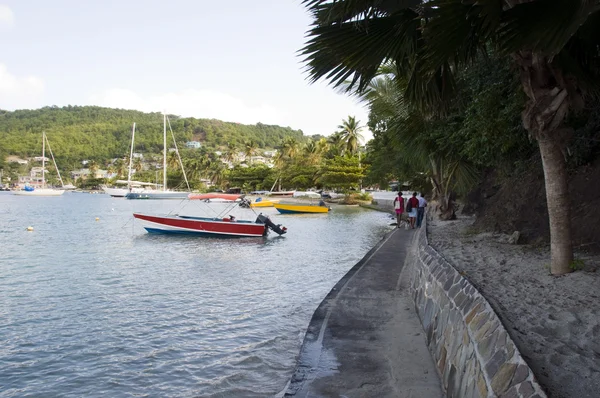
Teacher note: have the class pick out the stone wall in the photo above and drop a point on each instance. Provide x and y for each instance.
(473, 352)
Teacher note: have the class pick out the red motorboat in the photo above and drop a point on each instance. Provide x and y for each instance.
(219, 226)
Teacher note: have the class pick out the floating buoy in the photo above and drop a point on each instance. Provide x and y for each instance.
(30, 229)
(97, 218)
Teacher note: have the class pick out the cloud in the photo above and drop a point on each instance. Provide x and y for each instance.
(7, 17)
(191, 103)
(19, 92)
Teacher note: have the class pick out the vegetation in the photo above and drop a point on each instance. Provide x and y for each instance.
(79, 133)
(553, 45)
(101, 138)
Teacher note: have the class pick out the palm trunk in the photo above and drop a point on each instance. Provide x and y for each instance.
(550, 97)
(559, 209)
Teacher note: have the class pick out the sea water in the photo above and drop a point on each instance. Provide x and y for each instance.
(92, 305)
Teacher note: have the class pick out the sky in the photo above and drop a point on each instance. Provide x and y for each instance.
(233, 60)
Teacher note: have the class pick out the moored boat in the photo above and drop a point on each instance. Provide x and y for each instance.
(260, 202)
(43, 190)
(218, 226)
(296, 208)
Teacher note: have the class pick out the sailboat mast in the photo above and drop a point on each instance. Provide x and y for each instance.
(43, 159)
(164, 151)
(130, 159)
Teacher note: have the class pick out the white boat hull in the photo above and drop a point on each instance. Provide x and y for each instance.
(119, 192)
(40, 192)
(157, 195)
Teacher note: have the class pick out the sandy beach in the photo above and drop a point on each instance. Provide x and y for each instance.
(554, 321)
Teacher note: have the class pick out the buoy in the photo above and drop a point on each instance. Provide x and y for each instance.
(97, 218)
(30, 229)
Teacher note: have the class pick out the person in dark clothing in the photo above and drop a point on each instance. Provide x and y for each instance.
(421, 210)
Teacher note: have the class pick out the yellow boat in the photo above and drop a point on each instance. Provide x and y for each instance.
(263, 203)
(293, 208)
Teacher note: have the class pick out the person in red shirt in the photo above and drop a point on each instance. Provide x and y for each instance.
(399, 207)
(411, 207)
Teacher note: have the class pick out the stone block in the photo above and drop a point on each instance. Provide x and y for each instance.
(487, 346)
(441, 364)
(496, 362)
(453, 290)
(526, 389)
(511, 393)
(501, 380)
(478, 307)
(481, 385)
(459, 299)
(487, 328)
(520, 375)
(452, 384)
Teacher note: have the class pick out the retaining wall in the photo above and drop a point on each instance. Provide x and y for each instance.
(473, 352)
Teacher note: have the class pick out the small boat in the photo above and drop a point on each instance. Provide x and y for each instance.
(156, 194)
(296, 208)
(229, 197)
(260, 202)
(218, 226)
(281, 194)
(307, 194)
(43, 191)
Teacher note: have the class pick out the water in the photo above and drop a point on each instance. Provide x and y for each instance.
(101, 308)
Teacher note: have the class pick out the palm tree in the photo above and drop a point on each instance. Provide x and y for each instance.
(172, 160)
(555, 45)
(137, 165)
(216, 172)
(231, 153)
(312, 152)
(250, 148)
(336, 144)
(93, 167)
(350, 134)
(290, 148)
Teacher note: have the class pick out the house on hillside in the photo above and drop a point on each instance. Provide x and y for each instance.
(86, 173)
(193, 144)
(258, 159)
(270, 154)
(41, 158)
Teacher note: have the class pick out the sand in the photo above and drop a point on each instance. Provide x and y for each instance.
(554, 321)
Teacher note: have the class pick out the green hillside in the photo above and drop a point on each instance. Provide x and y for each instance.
(95, 133)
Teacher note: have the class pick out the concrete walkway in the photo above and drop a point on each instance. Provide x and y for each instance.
(365, 339)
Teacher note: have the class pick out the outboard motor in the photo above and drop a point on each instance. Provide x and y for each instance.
(245, 203)
(277, 228)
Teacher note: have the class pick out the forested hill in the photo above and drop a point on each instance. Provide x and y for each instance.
(90, 132)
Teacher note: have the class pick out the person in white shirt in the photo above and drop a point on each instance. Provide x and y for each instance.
(421, 210)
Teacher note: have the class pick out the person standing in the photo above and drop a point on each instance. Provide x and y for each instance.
(399, 207)
(411, 208)
(421, 210)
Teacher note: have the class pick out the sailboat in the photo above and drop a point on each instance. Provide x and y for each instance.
(132, 186)
(164, 193)
(43, 191)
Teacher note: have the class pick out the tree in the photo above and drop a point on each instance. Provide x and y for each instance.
(555, 44)
(93, 167)
(350, 134)
(250, 149)
(335, 144)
